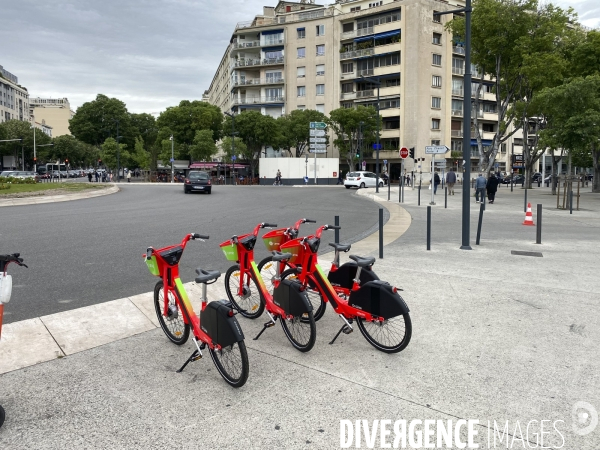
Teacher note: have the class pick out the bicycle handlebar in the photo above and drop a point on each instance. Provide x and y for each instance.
(333, 227)
(5, 260)
(271, 225)
(309, 221)
(199, 236)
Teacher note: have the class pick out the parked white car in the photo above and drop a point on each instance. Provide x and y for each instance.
(362, 180)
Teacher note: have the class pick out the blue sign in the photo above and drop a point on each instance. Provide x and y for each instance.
(172, 160)
(376, 146)
(306, 179)
(233, 158)
(385, 161)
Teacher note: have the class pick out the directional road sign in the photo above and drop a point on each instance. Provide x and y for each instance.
(436, 149)
(172, 160)
(318, 140)
(403, 153)
(318, 146)
(385, 161)
(376, 146)
(317, 133)
(233, 157)
(318, 125)
(317, 151)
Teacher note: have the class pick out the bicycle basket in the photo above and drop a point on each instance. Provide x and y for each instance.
(172, 255)
(273, 239)
(153, 266)
(230, 250)
(295, 248)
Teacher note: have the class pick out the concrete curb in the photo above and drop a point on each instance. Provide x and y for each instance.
(36, 200)
(33, 341)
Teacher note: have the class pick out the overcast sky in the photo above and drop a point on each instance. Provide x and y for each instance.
(148, 53)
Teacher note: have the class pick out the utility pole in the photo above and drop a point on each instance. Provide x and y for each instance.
(172, 161)
(378, 83)
(233, 133)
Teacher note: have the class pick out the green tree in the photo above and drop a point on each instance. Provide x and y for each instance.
(295, 128)
(345, 122)
(573, 112)
(228, 149)
(256, 131)
(203, 147)
(585, 58)
(96, 120)
(18, 129)
(140, 156)
(110, 151)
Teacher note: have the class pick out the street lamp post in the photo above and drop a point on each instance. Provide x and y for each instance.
(359, 144)
(118, 149)
(233, 133)
(172, 160)
(378, 83)
(466, 199)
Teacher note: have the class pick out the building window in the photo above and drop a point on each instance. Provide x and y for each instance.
(436, 81)
(436, 17)
(301, 52)
(355, 8)
(301, 107)
(347, 67)
(436, 102)
(348, 27)
(437, 60)
(301, 72)
(320, 30)
(320, 50)
(320, 69)
(437, 38)
(347, 88)
(435, 124)
(392, 82)
(488, 127)
(374, 4)
(320, 89)
(301, 91)
(301, 33)
(321, 108)
(435, 142)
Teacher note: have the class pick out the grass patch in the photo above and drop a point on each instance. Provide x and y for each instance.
(47, 188)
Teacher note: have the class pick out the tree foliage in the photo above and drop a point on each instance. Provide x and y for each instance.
(295, 128)
(203, 147)
(345, 122)
(111, 150)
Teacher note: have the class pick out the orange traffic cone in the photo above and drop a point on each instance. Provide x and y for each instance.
(528, 216)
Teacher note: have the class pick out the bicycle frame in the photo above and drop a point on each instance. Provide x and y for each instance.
(171, 281)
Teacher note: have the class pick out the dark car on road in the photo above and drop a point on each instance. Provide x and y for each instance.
(197, 181)
(516, 179)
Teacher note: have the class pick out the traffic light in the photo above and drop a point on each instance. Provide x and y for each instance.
(357, 155)
(66, 161)
(99, 162)
(35, 159)
(411, 153)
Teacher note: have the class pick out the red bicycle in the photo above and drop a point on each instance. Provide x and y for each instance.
(247, 292)
(341, 277)
(215, 326)
(381, 314)
(5, 293)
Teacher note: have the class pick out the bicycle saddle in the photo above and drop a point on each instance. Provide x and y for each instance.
(340, 247)
(278, 256)
(362, 262)
(204, 276)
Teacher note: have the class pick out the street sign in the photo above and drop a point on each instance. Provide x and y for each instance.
(385, 161)
(317, 132)
(317, 140)
(436, 149)
(172, 160)
(312, 150)
(364, 165)
(403, 153)
(376, 146)
(233, 158)
(318, 146)
(318, 125)
(440, 164)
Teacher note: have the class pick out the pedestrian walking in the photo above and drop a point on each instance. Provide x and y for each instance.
(97, 175)
(340, 181)
(90, 176)
(480, 184)
(129, 176)
(451, 181)
(278, 178)
(492, 187)
(436, 182)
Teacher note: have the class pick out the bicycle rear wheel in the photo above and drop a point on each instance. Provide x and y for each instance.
(250, 304)
(232, 363)
(301, 331)
(315, 297)
(173, 324)
(390, 336)
(268, 269)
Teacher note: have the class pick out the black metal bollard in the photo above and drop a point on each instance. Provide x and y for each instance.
(400, 186)
(525, 203)
(538, 230)
(446, 197)
(419, 196)
(389, 185)
(539, 182)
(429, 228)
(380, 233)
(481, 209)
(571, 202)
(337, 232)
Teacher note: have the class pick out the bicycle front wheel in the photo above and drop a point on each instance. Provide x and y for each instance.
(232, 363)
(268, 269)
(173, 323)
(315, 297)
(389, 336)
(301, 331)
(249, 303)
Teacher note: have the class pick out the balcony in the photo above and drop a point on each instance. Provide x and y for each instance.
(257, 62)
(358, 33)
(271, 42)
(258, 81)
(458, 70)
(457, 112)
(357, 53)
(258, 100)
(458, 50)
(458, 92)
(246, 44)
(365, 72)
(365, 93)
(348, 75)
(260, 21)
(347, 95)
(456, 133)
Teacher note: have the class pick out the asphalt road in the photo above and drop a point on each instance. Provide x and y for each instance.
(89, 251)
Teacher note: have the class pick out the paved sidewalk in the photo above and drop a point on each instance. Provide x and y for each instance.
(495, 337)
(39, 199)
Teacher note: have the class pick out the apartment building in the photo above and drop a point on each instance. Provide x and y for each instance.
(55, 112)
(14, 98)
(301, 55)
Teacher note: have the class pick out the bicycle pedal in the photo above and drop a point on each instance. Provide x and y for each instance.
(347, 330)
(197, 357)
(269, 324)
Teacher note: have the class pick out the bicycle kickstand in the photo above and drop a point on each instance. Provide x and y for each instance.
(267, 325)
(194, 357)
(346, 328)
